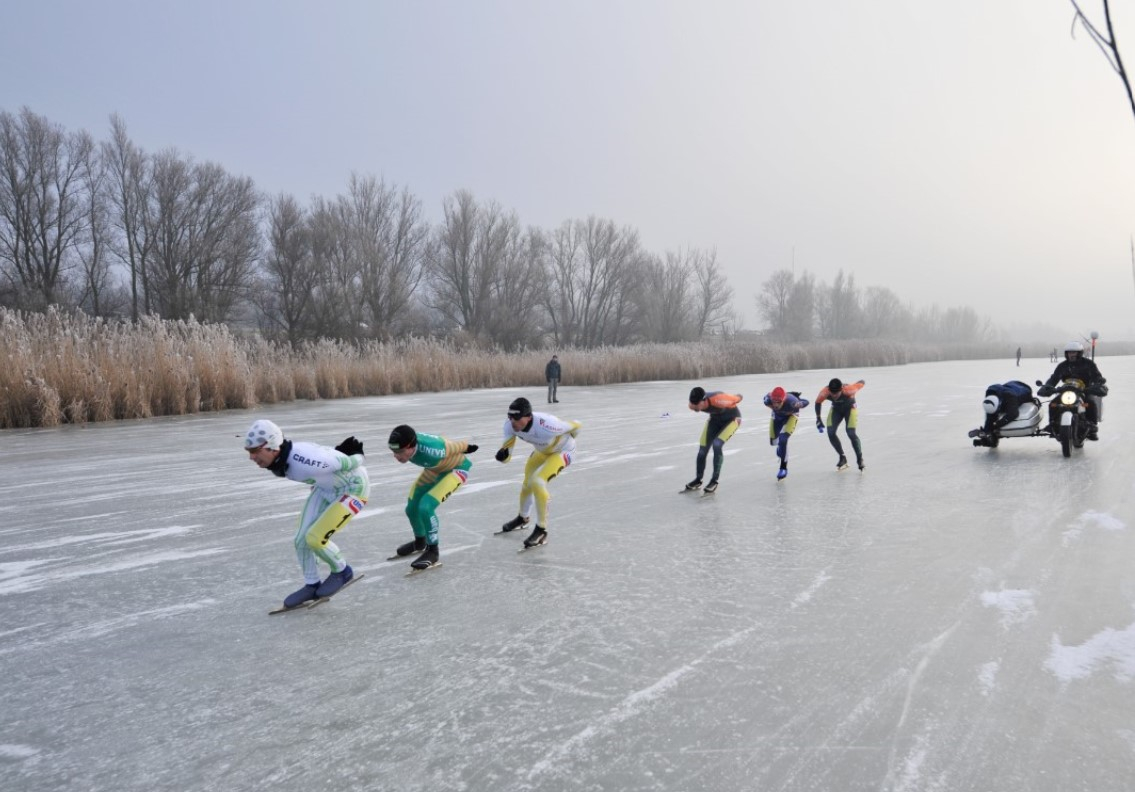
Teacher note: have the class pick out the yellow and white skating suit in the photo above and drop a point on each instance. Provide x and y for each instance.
(554, 441)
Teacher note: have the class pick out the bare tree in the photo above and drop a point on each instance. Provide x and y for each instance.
(205, 238)
(1107, 44)
(840, 314)
(775, 299)
(665, 299)
(714, 295)
(286, 296)
(884, 315)
(96, 291)
(590, 268)
(42, 205)
(128, 185)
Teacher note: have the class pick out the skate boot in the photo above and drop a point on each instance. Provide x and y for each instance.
(427, 559)
(334, 582)
(416, 546)
(693, 485)
(710, 487)
(538, 537)
(514, 523)
(783, 472)
(297, 598)
(862, 464)
(842, 464)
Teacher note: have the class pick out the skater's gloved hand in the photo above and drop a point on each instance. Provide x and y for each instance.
(819, 426)
(350, 446)
(502, 455)
(471, 448)
(772, 441)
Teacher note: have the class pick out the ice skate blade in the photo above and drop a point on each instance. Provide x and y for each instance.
(315, 602)
(532, 547)
(416, 571)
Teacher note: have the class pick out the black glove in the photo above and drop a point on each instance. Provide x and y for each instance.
(472, 447)
(350, 446)
(1045, 390)
(502, 455)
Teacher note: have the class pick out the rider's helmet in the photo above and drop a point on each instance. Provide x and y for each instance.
(1073, 350)
(991, 404)
(263, 433)
(777, 395)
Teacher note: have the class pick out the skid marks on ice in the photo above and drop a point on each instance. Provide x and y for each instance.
(20, 578)
(95, 629)
(109, 538)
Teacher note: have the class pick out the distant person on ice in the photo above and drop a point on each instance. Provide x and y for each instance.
(843, 408)
(1018, 356)
(446, 469)
(785, 411)
(552, 375)
(339, 490)
(554, 442)
(724, 419)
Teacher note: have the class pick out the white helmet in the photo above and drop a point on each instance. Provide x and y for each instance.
(263, 433)
(1074, 346)
(991, 404)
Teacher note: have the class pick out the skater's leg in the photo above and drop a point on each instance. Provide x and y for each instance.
(550, 467)
(317, 537)
(853, 434)
(834, 420)
(719, 447)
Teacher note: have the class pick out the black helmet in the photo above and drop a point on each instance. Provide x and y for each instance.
(697, 395)
(520, 408)
(402, 437)
(835, 384)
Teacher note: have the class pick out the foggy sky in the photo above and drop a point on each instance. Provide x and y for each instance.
(960, 153)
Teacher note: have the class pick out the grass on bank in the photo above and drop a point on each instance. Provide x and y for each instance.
(58, 368)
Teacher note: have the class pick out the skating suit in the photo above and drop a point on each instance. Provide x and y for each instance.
(339, 490)
(724, 419)
(843, 408)
(554, 441)
(446, 469)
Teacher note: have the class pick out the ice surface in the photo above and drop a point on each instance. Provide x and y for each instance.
(953, 619)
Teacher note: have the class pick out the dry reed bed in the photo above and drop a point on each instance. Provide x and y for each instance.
(70, 368)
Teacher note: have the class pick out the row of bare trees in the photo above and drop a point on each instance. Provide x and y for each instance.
(117, 231)
(798, 308)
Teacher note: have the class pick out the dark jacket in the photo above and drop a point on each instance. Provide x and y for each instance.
(552, 370)
(1081, 368)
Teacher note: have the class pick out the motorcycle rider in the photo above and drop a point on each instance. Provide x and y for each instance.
(1076, 366)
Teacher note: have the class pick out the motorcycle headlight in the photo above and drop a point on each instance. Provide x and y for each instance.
(1068, 398)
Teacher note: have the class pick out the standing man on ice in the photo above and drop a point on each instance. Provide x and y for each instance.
(446, 469)
(785, 411)
(724, 420)
(339, 490)
(843, 408)
(555, 448)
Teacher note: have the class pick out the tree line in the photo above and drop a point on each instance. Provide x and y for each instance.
(116, 231)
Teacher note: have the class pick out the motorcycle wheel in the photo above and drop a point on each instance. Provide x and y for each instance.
(1066, 440)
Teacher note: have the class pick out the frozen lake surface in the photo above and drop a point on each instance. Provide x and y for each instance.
(953, 619)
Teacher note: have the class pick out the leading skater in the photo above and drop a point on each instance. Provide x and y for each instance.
(843, 408)
(446, 469)
(339, 490)
(724, 419)
(554, 442)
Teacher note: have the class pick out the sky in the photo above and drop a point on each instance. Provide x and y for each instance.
(964, 153)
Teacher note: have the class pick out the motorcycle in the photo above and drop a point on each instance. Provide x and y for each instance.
(1069, 408)
(1068, 411)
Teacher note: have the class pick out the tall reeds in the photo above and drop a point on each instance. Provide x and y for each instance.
(59, 368)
